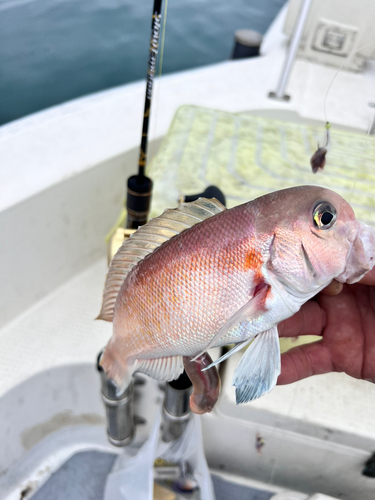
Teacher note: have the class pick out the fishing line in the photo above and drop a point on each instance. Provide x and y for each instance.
(293, 399)
(161, 57)
(139, 186)
(283, 432)
(152, 60)
(335, 76)
(327, 123)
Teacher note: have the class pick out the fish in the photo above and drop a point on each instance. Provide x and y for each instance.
(202, 276)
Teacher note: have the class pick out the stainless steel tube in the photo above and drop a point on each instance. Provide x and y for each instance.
(176, 410)
(119, 410)
(293, 48)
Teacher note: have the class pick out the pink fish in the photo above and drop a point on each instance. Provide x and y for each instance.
(202, 276)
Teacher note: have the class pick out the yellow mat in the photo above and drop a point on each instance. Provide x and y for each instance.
(247, 156)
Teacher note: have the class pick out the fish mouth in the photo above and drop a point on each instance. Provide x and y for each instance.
(361, 258)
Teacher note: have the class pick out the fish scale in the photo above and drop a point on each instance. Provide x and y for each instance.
(195, 279)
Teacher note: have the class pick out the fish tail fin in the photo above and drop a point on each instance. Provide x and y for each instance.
(116, 366)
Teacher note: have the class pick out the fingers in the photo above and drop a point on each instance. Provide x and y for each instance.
(304, 361)
(369, 278)
(334, 288)
(309, 320)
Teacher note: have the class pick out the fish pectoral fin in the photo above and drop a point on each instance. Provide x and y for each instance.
(246, 313)
(258, 369)
(225, 356)
(163, 369)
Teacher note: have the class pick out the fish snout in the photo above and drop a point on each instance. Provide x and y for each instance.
(361, 258)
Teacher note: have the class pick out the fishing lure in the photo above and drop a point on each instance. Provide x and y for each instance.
(318, 159)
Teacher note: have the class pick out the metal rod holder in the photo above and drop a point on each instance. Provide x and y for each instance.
(289, 61)
(119, 409)
(176, 409)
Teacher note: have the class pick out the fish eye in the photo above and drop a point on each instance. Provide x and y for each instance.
(324, 215)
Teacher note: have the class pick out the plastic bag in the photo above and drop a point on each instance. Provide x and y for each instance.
(133, 473)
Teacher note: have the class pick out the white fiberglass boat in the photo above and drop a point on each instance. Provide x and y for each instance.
(63, 175)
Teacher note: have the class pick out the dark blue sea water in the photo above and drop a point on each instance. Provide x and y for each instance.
(55, 50)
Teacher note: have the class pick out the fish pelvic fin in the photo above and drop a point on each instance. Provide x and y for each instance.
(225, 356)
(258, 369)
(147, 239)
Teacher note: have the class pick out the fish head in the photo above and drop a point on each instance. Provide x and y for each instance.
(316, 238)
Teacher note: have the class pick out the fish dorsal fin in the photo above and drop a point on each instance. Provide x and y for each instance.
(149, 237)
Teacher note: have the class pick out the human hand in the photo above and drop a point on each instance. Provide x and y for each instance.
(344, 315)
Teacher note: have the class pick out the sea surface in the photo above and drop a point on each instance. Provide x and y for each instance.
(52, 51)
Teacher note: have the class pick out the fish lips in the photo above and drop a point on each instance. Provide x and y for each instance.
(361, 258)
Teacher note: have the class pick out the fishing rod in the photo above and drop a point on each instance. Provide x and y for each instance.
(139, 186)
(119, 404)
